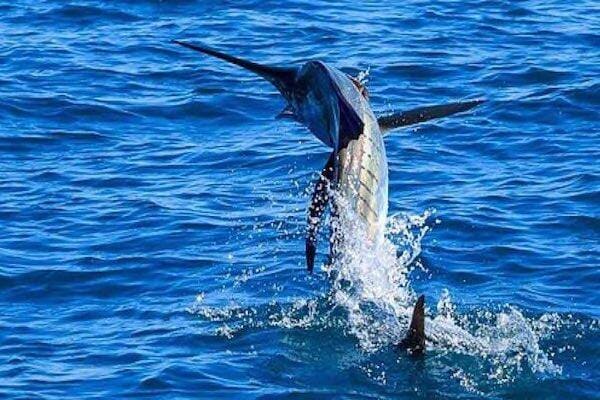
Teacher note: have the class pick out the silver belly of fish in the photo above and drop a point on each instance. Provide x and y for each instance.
(363, 179)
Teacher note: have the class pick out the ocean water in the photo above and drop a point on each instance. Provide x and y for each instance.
(152, 208)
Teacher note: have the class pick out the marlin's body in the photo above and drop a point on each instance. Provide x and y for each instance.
(336, 109)
(357, 168)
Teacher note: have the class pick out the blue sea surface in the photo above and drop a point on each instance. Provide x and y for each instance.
(153, 209)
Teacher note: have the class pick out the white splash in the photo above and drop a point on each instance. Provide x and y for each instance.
(371, 299)
(370, 281)
(363, 76)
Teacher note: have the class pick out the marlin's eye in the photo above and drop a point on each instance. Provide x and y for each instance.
(301, 92)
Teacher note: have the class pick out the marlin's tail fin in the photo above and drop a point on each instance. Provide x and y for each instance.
(414, 341)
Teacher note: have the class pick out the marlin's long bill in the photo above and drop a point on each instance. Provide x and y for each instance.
(281, 77)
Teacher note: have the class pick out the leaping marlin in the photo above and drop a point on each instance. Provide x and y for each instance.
(335, 108)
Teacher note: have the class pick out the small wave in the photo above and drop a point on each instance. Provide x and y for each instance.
(84, 14)
(62, 107)
(59, 137)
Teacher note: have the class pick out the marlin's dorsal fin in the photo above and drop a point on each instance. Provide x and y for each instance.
(414, 342)
(422, 114)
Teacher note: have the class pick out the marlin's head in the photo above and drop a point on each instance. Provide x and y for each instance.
(327, 101)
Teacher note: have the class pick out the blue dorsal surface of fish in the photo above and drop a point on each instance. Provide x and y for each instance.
(335, 108)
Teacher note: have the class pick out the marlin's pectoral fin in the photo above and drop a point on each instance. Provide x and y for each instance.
(318, 203)
(414, 342)
(422, 114)
(351, 126)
